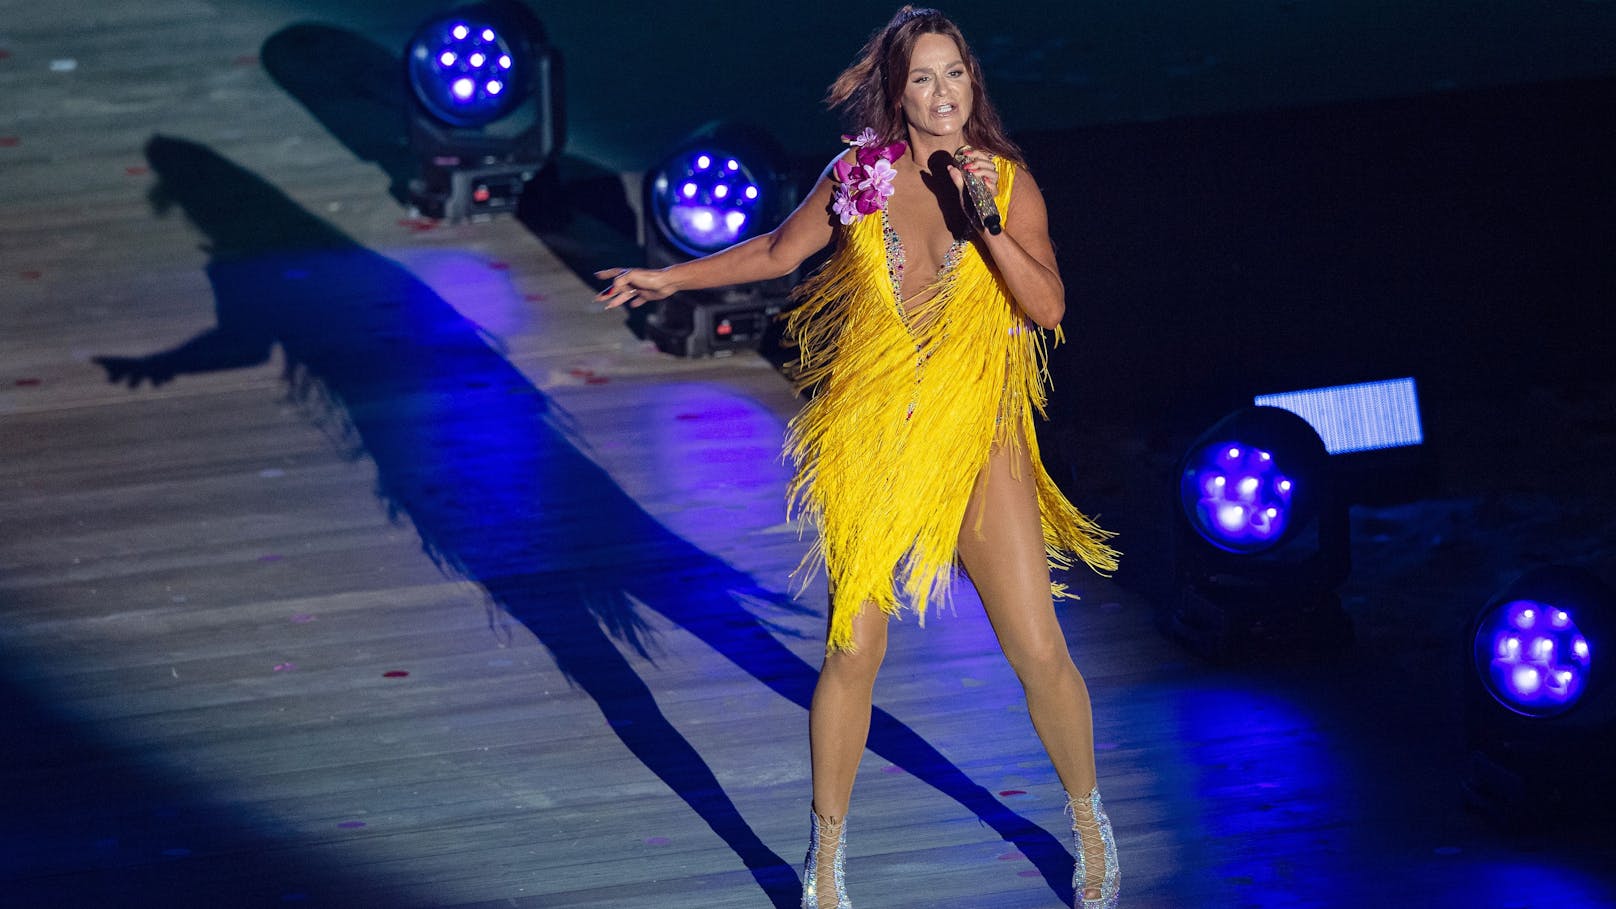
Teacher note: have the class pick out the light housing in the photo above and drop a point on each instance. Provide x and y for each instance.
(1260, 538)
(725, 183)
(484, 108)
(1540, 695)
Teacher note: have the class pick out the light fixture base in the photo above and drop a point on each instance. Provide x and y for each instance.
(1229, 624)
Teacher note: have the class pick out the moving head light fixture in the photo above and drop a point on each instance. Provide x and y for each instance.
(484, 108)
(1260, 539)
(725, 183)
(1540, 699)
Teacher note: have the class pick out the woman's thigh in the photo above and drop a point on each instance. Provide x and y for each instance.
(1002, 547)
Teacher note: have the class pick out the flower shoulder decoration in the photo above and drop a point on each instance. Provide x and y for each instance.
(864, 185)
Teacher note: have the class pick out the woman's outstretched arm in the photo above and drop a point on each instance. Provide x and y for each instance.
(774, 254)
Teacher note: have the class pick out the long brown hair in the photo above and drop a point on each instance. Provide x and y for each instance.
(870, 92)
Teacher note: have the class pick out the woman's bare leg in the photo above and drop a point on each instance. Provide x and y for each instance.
(1006, 562)
(839, 719)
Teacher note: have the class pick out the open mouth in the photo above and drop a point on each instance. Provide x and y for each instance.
(942, 110)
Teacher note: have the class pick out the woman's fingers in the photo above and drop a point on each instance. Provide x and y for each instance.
(632, 286)
(619, 290)
(981, 164)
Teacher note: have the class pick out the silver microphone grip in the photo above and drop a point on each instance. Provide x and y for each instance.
(981, 199)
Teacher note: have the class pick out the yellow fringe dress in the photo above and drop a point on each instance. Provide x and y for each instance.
(907, 407)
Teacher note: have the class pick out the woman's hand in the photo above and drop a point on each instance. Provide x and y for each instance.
(981, 164)
(634, 286)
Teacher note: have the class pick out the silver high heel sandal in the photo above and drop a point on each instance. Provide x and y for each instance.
(826, 833)
(1091, 826)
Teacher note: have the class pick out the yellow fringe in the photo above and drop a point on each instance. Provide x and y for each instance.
(888, 489)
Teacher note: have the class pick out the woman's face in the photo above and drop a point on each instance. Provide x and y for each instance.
(937, 96)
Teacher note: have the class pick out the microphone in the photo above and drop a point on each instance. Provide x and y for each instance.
(981, 199)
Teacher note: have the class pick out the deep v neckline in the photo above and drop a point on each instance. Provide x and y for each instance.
(896, 260)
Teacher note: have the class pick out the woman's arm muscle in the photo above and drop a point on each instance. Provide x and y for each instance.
(774, 254)
(1025, 256)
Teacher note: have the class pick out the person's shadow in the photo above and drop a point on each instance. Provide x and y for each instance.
(471, 452)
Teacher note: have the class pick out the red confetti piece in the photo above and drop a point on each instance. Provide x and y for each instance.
(580, 372)
(657, 841)
(417, 225)
(536, 298)
(4, 54)
(9, 141)
(596, 380)
(1006, 793)
(285, 667)
(394, 674)
(1011, 857)
(687, 416)
(351, 825)
(29, 383)
(246, 60)
(31, 274)
(1030, 872)
(892, 768)
(499, 266)
(302, 619)
(137, 170)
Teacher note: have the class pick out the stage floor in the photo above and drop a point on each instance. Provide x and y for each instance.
(351, 560)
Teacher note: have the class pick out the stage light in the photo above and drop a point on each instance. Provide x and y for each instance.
(1540, 698)
(726, 183)
(485, 112)
(1260, 538)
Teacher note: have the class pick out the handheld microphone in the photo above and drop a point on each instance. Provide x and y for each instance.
(981, 199)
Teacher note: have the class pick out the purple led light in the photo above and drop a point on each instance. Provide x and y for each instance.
(462, 71)
(702, 206)
(1537, 658)
(702, 226)
(1238, 499)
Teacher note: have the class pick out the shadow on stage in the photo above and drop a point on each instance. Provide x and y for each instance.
(478, 460)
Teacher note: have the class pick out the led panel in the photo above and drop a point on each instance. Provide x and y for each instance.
(1361, 417)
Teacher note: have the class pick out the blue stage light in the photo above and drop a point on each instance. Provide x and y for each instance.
(1259, 540)
(485, 108)
(1540, 697)
(1537, 659)
(724, 183)
(460, 69)
(1530, 650)
(701, 208)
(1251, 479)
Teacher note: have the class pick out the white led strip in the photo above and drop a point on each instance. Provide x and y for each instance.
(1361, 417)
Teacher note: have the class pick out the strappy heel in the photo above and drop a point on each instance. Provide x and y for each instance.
(1095, 844)
(827, 833)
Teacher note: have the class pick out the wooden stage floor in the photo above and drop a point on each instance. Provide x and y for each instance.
(350, 561)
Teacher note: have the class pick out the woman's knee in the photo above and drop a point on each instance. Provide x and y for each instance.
(858, 666)
(1041, 661)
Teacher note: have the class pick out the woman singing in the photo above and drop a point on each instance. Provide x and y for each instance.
(922, 339)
